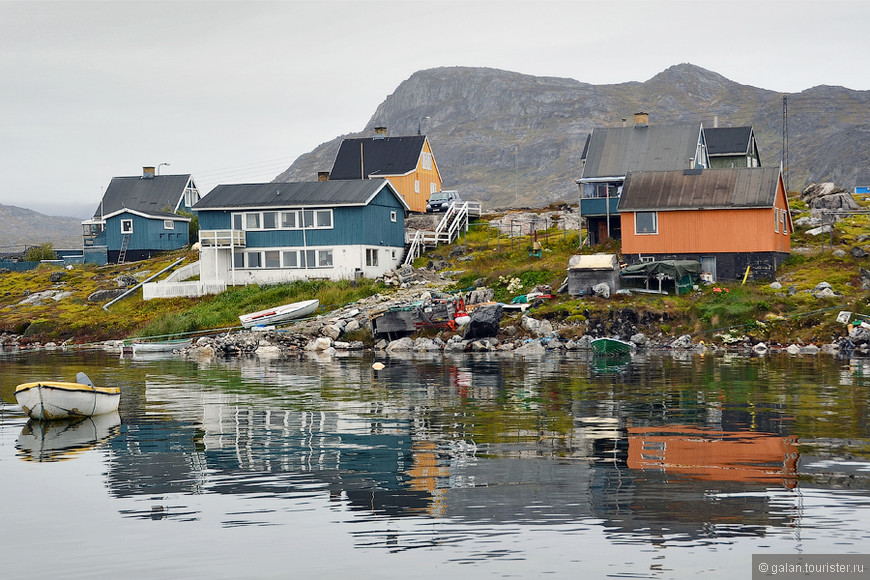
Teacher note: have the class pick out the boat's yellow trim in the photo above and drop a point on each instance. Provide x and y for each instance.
(68, 387)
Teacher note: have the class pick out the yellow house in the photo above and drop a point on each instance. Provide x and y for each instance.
(407, 162)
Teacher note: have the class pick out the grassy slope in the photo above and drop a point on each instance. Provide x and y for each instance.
(753, 309)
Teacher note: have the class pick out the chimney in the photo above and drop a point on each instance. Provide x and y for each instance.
(715, 121)
(147, 173)
(322, 176)
(380, 132)
(641, 119)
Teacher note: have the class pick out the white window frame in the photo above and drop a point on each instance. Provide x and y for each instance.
(655, 224)
(416, 186)
(255, 221)
(427, 160)
(169, 224)
(776, 219)
(371, 257)
(782, 215)
(393, 216)
(127, 226)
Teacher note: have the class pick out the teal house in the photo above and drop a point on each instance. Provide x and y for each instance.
(266, 233)
(142, 215)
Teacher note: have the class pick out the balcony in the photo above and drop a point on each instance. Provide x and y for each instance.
(222, 239)
(598, 206)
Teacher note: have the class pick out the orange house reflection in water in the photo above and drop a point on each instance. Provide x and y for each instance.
(706, 454)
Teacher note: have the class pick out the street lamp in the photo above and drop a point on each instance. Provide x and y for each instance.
(158, 167)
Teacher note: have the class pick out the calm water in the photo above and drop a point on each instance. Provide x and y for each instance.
(466, 466)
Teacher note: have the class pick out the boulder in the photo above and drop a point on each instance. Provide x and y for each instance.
(537, 327)
(683, 342)
(480, 295)
(532, 347)
(404, 344)
(484, 322)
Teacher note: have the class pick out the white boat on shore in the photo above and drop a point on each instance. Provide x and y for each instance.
(162, 346)
(279, 314)
(49, 400)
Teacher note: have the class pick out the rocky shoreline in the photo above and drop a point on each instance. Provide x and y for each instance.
(523, 334)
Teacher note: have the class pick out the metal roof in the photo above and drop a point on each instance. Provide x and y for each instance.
(700, 189)
(613, 152)
(308, 193)
(728, 140)
(377, 156)
(155, 196)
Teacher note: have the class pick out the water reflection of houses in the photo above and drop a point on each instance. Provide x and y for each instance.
(403, 445)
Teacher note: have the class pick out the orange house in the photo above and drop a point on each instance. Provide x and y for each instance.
(727, 219)
(407, 162)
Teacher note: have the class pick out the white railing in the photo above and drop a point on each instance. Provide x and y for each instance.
(454, 219)
(184, 273)
(181, 289)
(221, 238)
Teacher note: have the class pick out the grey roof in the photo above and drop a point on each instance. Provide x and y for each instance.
(308, 193)
(728, 140)
(700, 189)
(613, 152)
(372, 156)
(149, 196)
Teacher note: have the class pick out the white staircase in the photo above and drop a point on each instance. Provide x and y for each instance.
(455, 219)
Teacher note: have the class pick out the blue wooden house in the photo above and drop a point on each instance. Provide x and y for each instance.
(266, 233)
(611, 153)
(142, 215)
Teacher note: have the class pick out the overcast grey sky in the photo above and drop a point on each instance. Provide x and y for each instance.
(235, 92)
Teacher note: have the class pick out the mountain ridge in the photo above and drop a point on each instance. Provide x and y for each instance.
(512, 139)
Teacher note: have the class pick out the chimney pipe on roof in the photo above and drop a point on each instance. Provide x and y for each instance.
(715, 121)
(641, 119)
(147, 173)
(322, 176)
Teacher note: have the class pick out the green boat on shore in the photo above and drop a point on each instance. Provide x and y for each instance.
(610, 347)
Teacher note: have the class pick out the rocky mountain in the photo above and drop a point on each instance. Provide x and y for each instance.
(510, 139)
(23, 228)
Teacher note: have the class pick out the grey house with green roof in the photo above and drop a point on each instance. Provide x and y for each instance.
(267, 233)
(141, 216)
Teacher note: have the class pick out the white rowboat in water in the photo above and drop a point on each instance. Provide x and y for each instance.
(48, 400)
(279, 314)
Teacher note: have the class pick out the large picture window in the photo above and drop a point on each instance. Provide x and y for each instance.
(646, 222)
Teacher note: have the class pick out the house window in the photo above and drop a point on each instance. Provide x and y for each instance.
(255, 260)
(776, 219)
(273, 259)
(431, 188)
(252, 221)
(427, 161)
(319, 218)
(270, 220)
(645, 222)
(324, 258)
(168, 224)
(288, 219)
(393, 216)
(782, 219)
(126, 226)
(371, 257)
(416, 186)
(239, 260)
(291, 259)
(237, 221)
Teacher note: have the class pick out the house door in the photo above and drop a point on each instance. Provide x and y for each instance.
(708, 269)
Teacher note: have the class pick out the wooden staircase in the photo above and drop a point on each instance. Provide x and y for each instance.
(454, 221)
